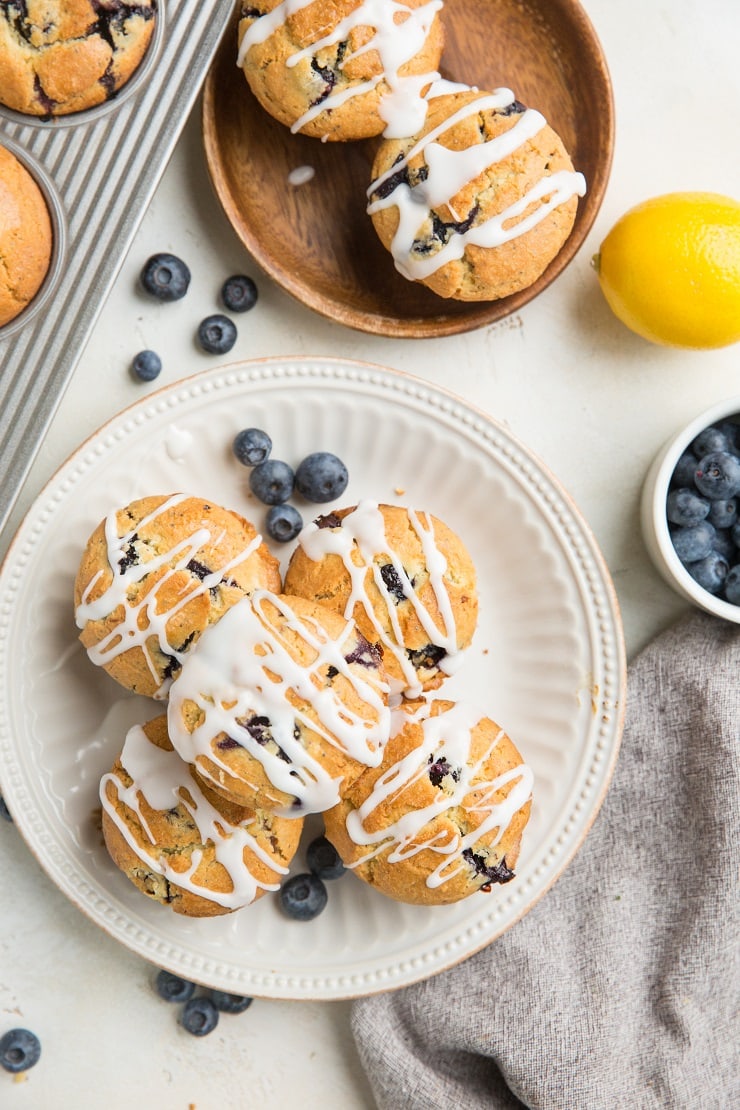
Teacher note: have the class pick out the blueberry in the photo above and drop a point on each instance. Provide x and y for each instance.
(230, 1003)
(722, 512)
(693, 543)
(217, 334)
(252, 446)
(684, 506)
(19, 1050)
(283, 523)
(303, 897)
(272, 482)
(712, 438)
(722, 545)
(199, 1016)
(709, 572)
(166, 277)
(174, 989)
(683, 474)
(4, 811)
(321, 477)
(147, 366)
(735, 534)
(718, 475)
(323, 859)
(239, 293)
(732, 585)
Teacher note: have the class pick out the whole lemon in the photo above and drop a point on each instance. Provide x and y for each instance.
(670, 269)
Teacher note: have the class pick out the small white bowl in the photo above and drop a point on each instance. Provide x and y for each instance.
(655, 522)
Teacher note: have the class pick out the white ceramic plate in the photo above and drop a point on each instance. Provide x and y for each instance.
(547, 661)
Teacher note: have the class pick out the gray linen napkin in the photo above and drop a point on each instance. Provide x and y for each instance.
(620, 988)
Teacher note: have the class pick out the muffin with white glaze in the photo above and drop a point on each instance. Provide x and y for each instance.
(442, 817)
(178, 841)
(405, 577)
(478, 202)
(340, 70)
(282, 703)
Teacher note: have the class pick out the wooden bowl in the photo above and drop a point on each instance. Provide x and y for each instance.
(316, 240)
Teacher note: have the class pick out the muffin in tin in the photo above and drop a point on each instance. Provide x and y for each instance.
(341, 70)
(58, 57)
(443, 815)
(476, 204)
(26, 237)
(154, 575)
(405, 577)
(281, 704)
(178, 841)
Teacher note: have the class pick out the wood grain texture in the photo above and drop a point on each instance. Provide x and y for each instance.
(316, 240)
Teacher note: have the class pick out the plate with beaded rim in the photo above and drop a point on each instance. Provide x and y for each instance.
(548, 651)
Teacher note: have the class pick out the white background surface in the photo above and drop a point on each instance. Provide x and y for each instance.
(591, 399)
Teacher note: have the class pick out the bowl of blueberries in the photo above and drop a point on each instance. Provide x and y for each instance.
(691, 510)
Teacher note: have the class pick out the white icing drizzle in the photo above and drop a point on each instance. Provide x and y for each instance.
(164, 781)
(242, 668)
(363, 530)
(142, 621)
(403, 108)
(447, 736)
(449, 171)
(301, 175)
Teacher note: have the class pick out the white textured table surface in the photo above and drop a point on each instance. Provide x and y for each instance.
(593, 401)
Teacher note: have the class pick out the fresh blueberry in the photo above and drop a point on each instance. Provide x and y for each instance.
(252, 446)
(323, 859)
(147, 366)
(217, 334)
(723, 512)
(685, 506)
(4, 811)
(709, 572)
(19, 1050)
(283, 523)
(303, 897)
(231, 1003)
(166, 277)
(718, 475)
(239, 293)
(712, 438)
(199, 1016)
(735, 534)
(174, 989)
(321, 477)
(693, 543)
(732, 585)
(683, 474)
(272, 482)
(723, 545)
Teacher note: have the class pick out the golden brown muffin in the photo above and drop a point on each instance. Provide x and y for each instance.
(442, 817)
(26, 237)
(181, 843)
(154, 575)
(63, 56)
(405, 577)
(341, 69)
(282, 701)
(479, 202)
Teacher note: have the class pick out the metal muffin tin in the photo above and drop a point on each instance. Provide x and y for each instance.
(98, 170)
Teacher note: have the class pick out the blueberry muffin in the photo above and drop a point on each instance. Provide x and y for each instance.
(63, 56)
(405, 578)
(154, 575)
(341, 69)
(26, 237)
(281, 703)
(442, 816)
(180, 843)
(477, 204)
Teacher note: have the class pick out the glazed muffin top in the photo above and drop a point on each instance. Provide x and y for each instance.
(63, 56)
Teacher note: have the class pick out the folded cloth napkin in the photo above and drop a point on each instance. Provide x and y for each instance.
(619, 990)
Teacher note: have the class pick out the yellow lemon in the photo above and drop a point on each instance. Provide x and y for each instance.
(670, 269)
